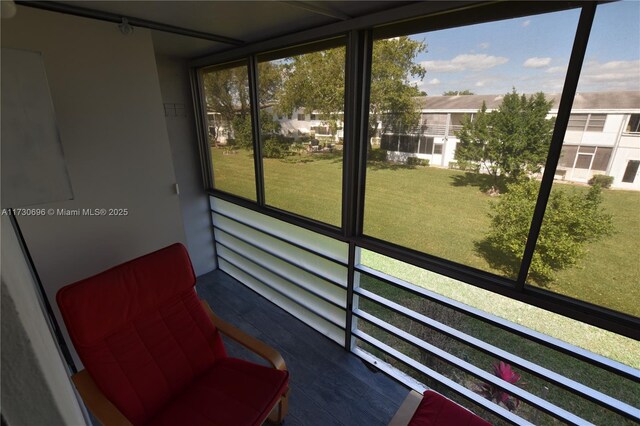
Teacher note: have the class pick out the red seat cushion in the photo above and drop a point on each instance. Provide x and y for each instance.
(232, 392)
(436, 410)
(141, 331)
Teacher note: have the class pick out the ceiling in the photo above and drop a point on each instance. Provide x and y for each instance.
(246, 21)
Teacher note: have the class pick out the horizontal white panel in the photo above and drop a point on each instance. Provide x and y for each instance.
(289, 290)
(317, 323)
(304, 279)
(327, 246)
(397, 374)
(333, 271)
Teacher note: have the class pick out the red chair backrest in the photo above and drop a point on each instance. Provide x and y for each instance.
(140, 330)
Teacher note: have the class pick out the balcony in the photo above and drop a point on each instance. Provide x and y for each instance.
(328, 384)
(420, 338)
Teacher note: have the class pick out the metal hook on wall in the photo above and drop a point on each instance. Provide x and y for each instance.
(125, 27)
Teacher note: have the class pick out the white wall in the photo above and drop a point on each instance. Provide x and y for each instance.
(107, 100)
(35, 388)
(194, 201)
(629, 149)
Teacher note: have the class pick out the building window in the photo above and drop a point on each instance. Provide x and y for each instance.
(633, 126)
(458, 208)
(589, 278)
(435, 124)
(582, 157)
(577, 122)
(587, 122)
(601, 158)
(456, 122)
(568, 156)
(596, 122)
(226, 93)
(303, 176)
(426, 145)
(631, 171)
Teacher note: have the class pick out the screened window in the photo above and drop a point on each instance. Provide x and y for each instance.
(426, 145)
(568, 156)
(590, 238)
(226, 94)
(447, 212)
(583, 161)
(601, 158)
(302, 164)
(456, 122)
(436, 124)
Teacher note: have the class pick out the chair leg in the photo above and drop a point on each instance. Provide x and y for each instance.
(280, 411)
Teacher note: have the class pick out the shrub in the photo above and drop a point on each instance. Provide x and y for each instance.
(468, 166)
(572, 219)
(415, 161)
(378, 155)
(275, 148)
(602, 180)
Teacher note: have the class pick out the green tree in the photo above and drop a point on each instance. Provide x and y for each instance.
(393, 97)
(242, 130)
(315, 82)
(458, 92)
(509, 142)
(227, 96)
(573, 219)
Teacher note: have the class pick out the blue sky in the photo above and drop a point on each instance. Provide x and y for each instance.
(531, 54)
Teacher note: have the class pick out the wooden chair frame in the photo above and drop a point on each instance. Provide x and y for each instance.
(407, 409)
(109, 415)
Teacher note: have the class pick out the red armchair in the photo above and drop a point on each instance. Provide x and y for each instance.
(153, 354)
(433, 409)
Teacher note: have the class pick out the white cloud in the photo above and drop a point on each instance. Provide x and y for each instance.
(553, 70)
(612, 75)
(536, 62)
(526, 23)
(484, 45)
(465, 62)
(480, 84)
(433, 82)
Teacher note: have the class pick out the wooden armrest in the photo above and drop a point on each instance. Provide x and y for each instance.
(407, 409)
(96, 402)
(259, 348)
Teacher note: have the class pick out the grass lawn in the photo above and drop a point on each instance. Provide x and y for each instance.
(598, 379)
(432, 210)
(308, 188)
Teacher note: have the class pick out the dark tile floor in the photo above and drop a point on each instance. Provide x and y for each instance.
(329, 386)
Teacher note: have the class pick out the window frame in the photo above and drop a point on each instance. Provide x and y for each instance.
(632, 130)
(359, 35)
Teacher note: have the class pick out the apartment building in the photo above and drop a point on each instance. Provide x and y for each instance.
(603, 135)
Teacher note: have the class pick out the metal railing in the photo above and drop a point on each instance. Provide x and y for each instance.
(308, 275)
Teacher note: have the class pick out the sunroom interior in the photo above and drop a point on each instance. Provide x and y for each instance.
(372, 277)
